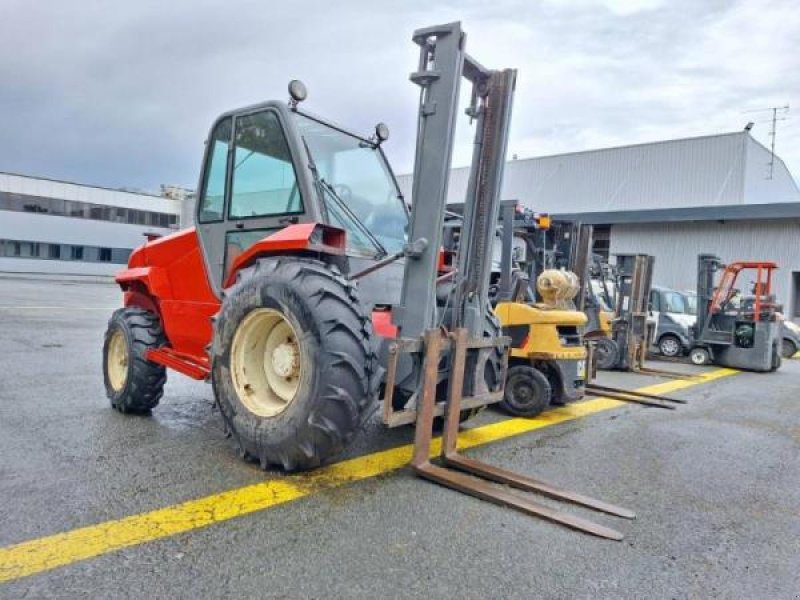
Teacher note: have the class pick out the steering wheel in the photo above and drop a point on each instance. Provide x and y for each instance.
(343, 191)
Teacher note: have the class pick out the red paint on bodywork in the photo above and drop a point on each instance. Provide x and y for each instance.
(170, 271)
(168, 276)
(382, 323)
(312, 237)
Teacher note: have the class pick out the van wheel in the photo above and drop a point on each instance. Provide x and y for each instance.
(670, 345)
(788, 348)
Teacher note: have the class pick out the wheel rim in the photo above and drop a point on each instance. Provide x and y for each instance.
(266, 362)
(698, 357)
(669, 347)
(117, 360)
(788, 349)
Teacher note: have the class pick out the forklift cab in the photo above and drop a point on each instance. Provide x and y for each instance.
(270, 166)
(733, 328)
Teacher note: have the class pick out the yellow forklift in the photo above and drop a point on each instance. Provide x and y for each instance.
(548, 359)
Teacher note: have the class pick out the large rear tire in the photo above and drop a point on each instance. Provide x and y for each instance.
(133, 383)
(293, 366)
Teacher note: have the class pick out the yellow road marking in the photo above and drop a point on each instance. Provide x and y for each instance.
(45, 553)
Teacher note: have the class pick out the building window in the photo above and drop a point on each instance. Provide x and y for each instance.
(83, 210)
(43, 250)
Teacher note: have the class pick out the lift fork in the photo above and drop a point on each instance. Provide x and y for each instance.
(471, 476)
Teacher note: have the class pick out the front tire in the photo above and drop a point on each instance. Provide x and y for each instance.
(699, 357)
(788, 348)
(293, 366)
(527, 392)
(133, 383)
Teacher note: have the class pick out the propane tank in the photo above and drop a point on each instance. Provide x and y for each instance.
(558, 287)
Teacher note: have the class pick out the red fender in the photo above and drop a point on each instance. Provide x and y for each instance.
(311, 237)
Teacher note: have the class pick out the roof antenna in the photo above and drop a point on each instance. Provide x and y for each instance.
(779, 113)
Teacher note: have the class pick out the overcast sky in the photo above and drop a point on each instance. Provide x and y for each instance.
(122, 94)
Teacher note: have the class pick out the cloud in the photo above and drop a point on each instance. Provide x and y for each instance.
(122, 94)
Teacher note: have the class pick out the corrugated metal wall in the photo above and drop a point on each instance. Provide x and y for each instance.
(676, 246)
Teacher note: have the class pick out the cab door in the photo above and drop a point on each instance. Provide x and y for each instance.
(249, 188)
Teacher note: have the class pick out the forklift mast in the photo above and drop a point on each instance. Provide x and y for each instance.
(442, 64)
(634, 281)
(707, 266)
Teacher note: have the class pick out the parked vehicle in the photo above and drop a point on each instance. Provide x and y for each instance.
(790, 339)
(670, 313)
(790, 332)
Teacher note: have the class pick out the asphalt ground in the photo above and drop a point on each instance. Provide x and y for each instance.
(101, 505)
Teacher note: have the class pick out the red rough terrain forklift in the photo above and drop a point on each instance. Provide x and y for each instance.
(305, 290)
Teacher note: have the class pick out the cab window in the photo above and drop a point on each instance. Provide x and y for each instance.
(213, 198)
(264, 181)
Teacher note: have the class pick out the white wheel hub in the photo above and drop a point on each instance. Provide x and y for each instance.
(266, 362)
(117, 360)
(286, 359)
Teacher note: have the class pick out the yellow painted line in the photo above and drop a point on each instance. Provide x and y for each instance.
(45, 553)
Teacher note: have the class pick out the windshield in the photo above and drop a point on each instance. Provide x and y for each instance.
(355, 173)
(673, 302)
(600, 294)
(691, 304)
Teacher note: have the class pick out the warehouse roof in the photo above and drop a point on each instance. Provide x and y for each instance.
(736, 212)
(714, 170)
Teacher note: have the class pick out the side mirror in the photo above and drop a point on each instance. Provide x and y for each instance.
(381, 133)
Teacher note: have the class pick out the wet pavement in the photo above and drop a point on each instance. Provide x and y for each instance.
(715, 484)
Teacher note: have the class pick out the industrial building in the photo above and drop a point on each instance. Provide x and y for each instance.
(725, 194)
(49, 226)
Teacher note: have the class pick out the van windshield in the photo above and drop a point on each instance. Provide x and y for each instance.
(674, 302)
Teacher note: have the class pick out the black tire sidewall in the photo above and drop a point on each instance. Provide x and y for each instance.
(278, 296)
(144, 380)
(537, 380)
(612, 353)
(338, 380)
(118, 323)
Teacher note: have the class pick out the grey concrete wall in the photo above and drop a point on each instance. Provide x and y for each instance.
(676, 246)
